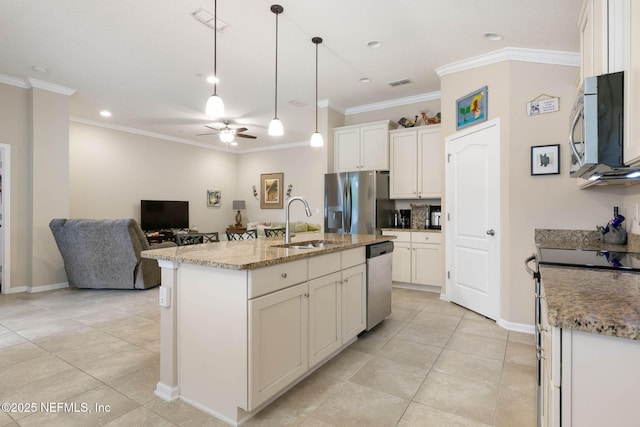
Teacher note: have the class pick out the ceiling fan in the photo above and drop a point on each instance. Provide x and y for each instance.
(226, 133)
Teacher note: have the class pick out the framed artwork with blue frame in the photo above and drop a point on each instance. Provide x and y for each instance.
(472, 108)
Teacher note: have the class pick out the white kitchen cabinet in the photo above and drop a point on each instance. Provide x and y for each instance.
(416, 163)
(278, 346)
(362, 147)
(632, 84)
(325, 311)
(417, 257)
(353, 288)
(588, 379)
(601, 25)
(426, 258)
(294, 329)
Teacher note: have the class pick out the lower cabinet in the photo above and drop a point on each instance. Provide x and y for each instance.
(278, 346)
(417, 257)
(294, 329)
(587, 379)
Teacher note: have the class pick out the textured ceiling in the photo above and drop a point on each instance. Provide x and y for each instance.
(147, 60)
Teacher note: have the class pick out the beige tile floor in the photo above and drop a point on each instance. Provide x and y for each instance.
(90, 358)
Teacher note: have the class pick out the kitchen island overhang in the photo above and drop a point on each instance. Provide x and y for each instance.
(244, 321)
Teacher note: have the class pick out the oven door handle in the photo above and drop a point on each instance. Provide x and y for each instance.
(532, 272)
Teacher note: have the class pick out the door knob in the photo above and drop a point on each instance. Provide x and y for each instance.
(491, 232)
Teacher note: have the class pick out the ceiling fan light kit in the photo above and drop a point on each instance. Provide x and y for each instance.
(215, 106)
(316, 138)
(275, 126)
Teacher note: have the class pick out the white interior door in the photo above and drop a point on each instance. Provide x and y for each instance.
(473, 218)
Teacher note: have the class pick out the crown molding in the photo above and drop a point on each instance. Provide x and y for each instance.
(30, 82)
(141, 132)
(553, 57)
(392, 103)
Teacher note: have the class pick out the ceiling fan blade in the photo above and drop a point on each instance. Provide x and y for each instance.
(212, 128)
(244, 135)
(240, 130)
(201, 134)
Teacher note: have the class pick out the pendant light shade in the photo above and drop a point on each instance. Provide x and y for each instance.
(226, 135)
(215, 106)
(275, 127)
(316, 138)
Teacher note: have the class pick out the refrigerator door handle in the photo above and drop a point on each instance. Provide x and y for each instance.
(347, 207)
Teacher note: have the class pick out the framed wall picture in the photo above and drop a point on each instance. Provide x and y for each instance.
(213, 198)
(271, 190)
(472, 108)
(545, 159)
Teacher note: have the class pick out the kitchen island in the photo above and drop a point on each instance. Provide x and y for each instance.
(244, 321)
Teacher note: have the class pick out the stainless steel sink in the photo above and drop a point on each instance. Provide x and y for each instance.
(313, 244)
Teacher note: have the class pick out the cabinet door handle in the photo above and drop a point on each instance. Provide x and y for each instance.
(346, 280)
(306, 294)
(283, 275)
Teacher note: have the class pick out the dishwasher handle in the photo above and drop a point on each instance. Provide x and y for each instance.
(378, 249)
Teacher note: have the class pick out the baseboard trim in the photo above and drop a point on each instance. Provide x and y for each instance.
(36, 289)
(516, 327)
(166, 392)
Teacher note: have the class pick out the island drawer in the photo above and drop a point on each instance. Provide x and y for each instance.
(353, 257)
(275, 277)
(324, 264)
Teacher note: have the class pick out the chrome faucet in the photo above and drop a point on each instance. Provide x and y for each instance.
(287, 231)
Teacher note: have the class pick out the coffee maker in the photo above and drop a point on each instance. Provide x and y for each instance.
(435, 217)
(405, 218)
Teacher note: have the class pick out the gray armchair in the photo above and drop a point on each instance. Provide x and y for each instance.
(106, 253)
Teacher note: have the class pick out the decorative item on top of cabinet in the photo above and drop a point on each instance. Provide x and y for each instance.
(417, 163)
(362, 147)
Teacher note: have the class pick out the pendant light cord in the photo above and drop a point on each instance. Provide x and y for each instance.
(215, 47)
(316, 87)
(276, 97)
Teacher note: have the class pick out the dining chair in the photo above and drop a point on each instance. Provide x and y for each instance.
(242, 235)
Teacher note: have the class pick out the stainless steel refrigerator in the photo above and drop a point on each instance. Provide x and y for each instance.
(357, 202)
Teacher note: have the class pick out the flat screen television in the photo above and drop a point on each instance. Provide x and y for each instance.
(163, 214)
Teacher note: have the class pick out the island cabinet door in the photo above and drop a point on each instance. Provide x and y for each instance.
(354, 299)
(325, 330)
(278, 342)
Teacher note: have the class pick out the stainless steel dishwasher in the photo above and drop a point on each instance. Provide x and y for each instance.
(378, 282)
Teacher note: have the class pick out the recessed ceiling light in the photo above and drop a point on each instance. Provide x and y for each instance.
(297, 103)
(105, 113)
(493, 36)
(374, 44)
(39, 69)
(365, 80)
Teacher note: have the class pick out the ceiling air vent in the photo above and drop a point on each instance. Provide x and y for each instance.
(399, 82)
(206, 17)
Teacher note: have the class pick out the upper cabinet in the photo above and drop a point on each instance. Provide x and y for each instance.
(416, 163)
(632, 83)
(601, 37)
(362, 147)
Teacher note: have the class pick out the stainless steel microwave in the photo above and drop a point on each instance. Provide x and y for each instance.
(596, 136)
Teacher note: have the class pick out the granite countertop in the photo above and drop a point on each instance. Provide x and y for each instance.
(422, 230)
(590, 300)
(261, 252)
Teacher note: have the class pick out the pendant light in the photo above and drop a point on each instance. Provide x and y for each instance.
(275, 126)
(316, 138)
(215, 106)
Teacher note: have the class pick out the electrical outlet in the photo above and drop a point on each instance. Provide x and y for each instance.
(165, 297)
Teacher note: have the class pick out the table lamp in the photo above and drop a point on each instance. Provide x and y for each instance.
(238, 205)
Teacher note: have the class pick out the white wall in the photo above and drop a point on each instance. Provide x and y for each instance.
(302, 167)
(111, 171)
(529, 202)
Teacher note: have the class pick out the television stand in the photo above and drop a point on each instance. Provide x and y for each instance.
(161, 236)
